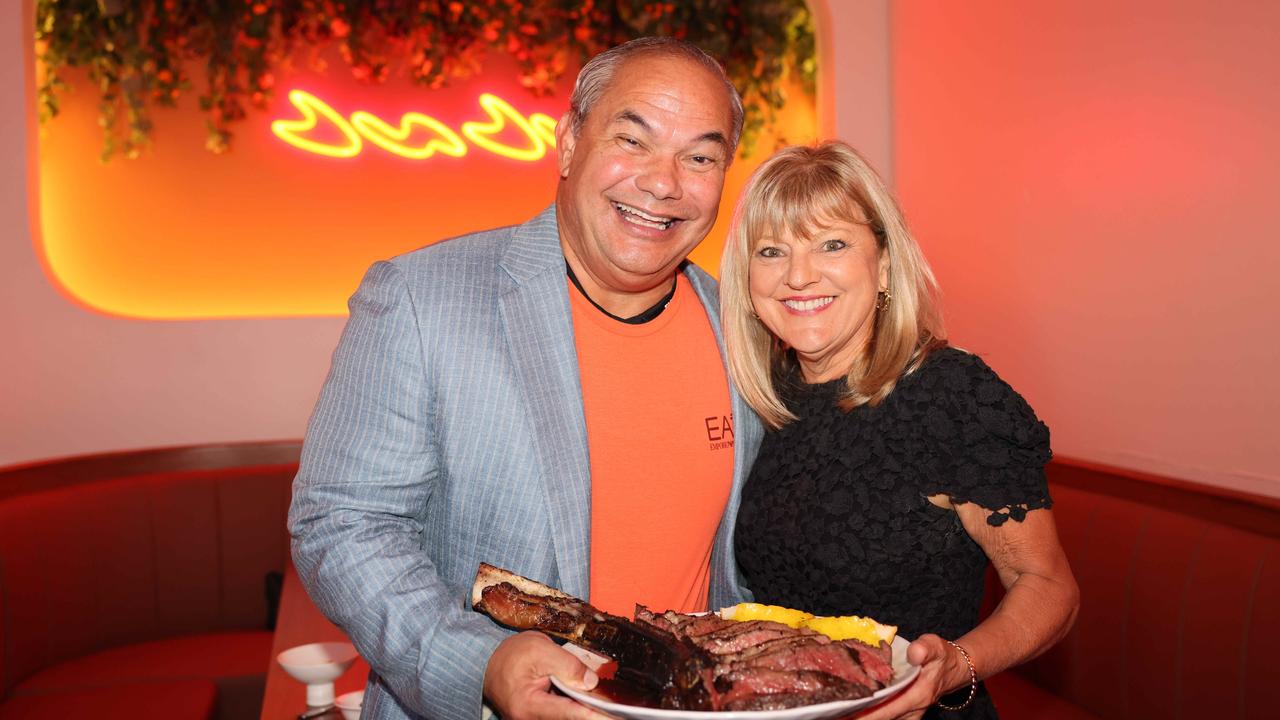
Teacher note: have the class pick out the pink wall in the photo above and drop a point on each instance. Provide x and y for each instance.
(1095, 184)
(1121, 149)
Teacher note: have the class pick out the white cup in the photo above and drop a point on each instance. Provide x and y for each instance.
(317, 665)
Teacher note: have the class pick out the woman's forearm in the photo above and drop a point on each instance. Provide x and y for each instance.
(1036, 612)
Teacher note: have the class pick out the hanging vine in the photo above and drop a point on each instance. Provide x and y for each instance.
(137, 52)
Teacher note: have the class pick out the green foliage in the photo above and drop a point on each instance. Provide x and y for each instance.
(137, 51)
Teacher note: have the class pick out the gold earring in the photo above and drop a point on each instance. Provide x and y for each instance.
(883, 299)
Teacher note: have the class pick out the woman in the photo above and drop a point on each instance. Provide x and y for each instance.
(896, 467)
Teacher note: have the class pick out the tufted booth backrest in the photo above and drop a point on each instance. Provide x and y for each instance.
(106, 551)
(1180, 597)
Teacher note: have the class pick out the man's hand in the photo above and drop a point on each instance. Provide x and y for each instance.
(517, 681)
(940, 666)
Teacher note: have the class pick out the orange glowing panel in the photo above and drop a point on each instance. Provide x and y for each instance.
(333, 176)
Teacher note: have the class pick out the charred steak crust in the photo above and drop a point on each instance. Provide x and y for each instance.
(672, 671)
(670, 667)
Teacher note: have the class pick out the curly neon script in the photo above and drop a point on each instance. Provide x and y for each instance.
(430, 135)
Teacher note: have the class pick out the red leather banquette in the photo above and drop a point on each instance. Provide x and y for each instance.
(1179, 603)
(133, 585)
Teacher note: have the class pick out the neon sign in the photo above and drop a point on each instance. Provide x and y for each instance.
(538, 130)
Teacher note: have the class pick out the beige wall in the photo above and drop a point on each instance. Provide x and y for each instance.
(1120, 279)
(854, 87)
(76, 382)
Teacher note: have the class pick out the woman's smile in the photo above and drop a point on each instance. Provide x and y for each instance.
(808, 306)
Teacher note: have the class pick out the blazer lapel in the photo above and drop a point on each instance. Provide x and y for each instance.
(539, 327)
(726, 583)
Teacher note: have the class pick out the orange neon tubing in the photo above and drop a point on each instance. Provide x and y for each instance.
(499, 111)
(378, 132)
(545, 126)
(310, 106)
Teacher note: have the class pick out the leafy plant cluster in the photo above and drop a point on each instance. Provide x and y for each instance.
(137, 52)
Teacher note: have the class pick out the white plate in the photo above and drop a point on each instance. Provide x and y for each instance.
(903, 674)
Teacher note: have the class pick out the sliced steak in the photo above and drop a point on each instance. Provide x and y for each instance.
(877, 661)
(763, 688)
(770, 645)
(648, 617)
(699, 625)
(806, 654)
(682, 624)
(742, 635)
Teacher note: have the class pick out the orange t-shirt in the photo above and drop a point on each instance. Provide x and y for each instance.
(660, 436)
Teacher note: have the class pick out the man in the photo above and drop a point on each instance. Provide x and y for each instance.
(549, 398)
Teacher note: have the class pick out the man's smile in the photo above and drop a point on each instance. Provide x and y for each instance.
(639, 217)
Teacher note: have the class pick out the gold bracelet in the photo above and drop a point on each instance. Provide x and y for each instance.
(973, 682)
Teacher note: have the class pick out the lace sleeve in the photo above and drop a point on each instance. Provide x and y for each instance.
(989, 447)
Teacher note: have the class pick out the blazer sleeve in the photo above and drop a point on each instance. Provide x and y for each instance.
(368, 468)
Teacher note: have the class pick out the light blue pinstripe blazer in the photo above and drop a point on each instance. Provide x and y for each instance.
(450, 431)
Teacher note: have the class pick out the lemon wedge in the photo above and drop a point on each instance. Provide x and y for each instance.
(847, 627)
(773, 613)
(852, 627)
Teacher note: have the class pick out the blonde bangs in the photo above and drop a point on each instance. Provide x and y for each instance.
(800, 197)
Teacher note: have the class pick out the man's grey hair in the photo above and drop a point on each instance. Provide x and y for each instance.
(596, 76)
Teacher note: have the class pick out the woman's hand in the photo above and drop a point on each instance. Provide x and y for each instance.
(942, 669)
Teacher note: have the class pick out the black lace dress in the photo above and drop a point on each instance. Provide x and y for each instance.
(834, 516)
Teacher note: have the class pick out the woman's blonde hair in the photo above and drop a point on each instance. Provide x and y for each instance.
(796, 190)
